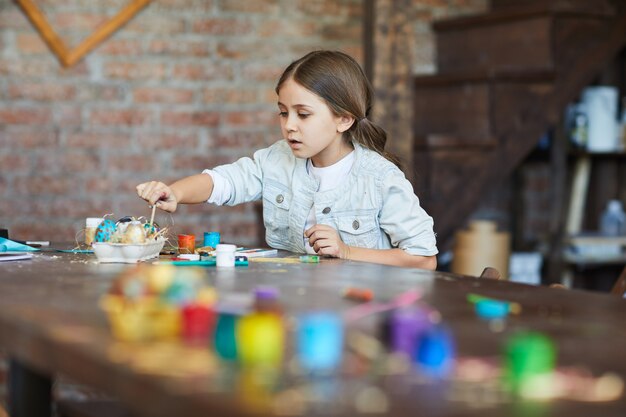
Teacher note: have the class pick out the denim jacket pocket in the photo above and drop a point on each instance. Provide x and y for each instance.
(359, 230)
(276, 203)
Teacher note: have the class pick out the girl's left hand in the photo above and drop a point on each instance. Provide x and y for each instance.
(326, 241)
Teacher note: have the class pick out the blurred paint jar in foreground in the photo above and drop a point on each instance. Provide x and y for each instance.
(225, 337)
(530, 360)
(319, 342)
(260, 339)
(435, 351)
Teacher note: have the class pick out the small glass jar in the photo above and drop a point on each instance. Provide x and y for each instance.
(225, 255)
(91, 224)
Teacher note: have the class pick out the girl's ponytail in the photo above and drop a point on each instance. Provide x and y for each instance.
(373, 137)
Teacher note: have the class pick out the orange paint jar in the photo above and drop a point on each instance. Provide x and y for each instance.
(186, 243)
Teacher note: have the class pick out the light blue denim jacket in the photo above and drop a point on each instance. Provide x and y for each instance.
(374, 207)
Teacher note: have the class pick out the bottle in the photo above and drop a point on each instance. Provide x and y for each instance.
(579, 129)
(91, 224)
(622, 126)
(613, 219)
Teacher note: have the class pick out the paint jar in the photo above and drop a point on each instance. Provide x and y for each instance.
(91, 224)
(435, 350)
(266, 300)
(260, 339)
(211, 239)
(198, 321)
(319, 341)
(225, 255)
(530, 357)
(186, 243)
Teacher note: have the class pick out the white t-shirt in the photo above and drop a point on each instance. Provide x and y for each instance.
(329, 177)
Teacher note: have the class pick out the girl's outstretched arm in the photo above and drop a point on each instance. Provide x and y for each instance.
(194, 189)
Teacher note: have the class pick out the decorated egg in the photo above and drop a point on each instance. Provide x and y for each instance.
(151, 229)
(134, 233)
(105, 230)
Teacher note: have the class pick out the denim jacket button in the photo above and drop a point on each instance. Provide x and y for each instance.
(355, 224)
(326, 210)
(280, 198)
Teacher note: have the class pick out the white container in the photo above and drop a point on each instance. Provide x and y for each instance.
(601, 107)
(225, 255)
(613, 219)
(126, 253)
(91, 224)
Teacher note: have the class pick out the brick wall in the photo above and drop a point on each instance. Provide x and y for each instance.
(185, 85)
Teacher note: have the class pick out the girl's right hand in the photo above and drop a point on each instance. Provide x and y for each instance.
(155, 192)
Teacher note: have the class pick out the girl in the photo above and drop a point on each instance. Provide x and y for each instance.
(328, 187)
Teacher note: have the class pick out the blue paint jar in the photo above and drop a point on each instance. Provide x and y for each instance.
(319, 341)
(211, 239)
(434, 353)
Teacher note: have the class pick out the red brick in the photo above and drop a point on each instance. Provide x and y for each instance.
(15, 163)
(30, 43)
(97, 140)
(74, 162)
(247, 6)
(43, 229)
(42, 92)
(155, 24)
(245, 50)
(195, 118)
(180, 48)
(243, 140)
(230, 95)
(77, 21)
(263, 72)
(135, 71)
(13, 18)
(223, 26)
(29, 139)
(198, 163)
(251, 118)
(197, 6)
(121, 47)
(320, 7)
(104, 185)
(26, 116)
(157, 141)
(203, 72)
(132, 163)
(31, 68)
(162, 95)
(42, 185)
(67, 115)
(125, 117)
(282, 28)
(94, 92)
(341, 31)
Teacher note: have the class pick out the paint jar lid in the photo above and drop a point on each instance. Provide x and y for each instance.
(222, 247)
(93, 221)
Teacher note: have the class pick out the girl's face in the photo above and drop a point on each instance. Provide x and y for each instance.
(310, 127)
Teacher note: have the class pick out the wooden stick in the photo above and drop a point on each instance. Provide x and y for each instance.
(152, 216)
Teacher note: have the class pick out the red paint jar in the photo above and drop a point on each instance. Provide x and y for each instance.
(186, 243)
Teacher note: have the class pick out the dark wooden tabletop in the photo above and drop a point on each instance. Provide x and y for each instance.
(50, 320)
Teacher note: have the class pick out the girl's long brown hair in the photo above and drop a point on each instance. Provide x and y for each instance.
(339, 80)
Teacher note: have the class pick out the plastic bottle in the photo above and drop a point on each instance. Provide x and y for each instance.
(613, 219)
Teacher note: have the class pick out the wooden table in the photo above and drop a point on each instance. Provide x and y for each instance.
(50, 324)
